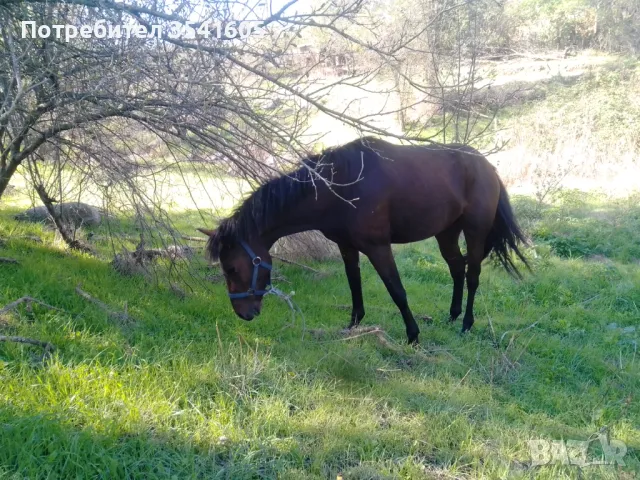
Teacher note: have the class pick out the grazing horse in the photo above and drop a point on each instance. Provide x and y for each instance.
(365, 196)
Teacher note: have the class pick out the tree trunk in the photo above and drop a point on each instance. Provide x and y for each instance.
(59, 222)
(6, 174)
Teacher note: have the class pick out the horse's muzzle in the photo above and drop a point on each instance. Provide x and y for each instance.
(249, 315)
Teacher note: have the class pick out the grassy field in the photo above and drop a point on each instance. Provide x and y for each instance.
(185, 389)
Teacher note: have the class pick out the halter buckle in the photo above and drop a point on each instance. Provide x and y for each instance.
(256, 261)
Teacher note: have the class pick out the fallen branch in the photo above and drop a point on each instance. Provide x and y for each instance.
(379, 333)
(28, 301)
(172, 252)
(194, 239)
(119, 316)
(48, 347)
(291, 262)
(9, 260)
(382, 337)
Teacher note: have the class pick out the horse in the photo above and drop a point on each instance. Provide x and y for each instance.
(365, 196)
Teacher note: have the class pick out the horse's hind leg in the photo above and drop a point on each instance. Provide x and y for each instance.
(450, 250)
(351, 258)
(475, 239)
(382, 259)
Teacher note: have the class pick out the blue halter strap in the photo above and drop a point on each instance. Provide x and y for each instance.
(257, 263)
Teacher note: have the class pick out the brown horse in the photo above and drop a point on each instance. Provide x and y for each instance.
(379, 194)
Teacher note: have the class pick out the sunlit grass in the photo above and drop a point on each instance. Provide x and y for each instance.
(187, 390)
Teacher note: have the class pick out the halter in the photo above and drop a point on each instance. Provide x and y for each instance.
(257, 263)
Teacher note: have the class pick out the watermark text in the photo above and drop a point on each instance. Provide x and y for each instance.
(174, 30)
(575, 452)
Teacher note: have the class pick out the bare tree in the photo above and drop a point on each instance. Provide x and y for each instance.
(112, 115)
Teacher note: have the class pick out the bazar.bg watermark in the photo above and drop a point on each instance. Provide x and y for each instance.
(175, 30)
(576, 452)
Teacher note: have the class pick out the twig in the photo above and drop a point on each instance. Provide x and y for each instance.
(465, 376)
(119, 316)
(524, 348)
(299, 265)
(220, 347)
(360, 331)
(294, 308)
(9, 260)
(426, 354)
(517, 331)
(28, 301)
(379, 333)
(194, 239)
(48, 347)
(493, 332)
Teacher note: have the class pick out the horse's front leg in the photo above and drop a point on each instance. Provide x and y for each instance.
(382, 259)
(351, 258)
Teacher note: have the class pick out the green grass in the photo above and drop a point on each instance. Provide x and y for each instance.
(188, 390)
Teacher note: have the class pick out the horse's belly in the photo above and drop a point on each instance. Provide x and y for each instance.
(416, 227)
(413, 234)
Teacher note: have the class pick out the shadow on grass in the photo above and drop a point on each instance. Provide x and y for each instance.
(46, 446)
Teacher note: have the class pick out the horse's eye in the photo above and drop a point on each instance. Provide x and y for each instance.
(231, 271)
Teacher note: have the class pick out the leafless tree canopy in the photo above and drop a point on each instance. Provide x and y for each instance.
(112, 107)
(109, 117)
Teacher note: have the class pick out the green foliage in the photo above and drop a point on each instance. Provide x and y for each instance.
(579, 226)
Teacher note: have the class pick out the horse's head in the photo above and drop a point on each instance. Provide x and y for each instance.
(246, 267)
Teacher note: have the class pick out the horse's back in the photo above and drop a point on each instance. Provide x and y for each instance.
(419, 191)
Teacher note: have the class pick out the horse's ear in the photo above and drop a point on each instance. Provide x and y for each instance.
(209, 233)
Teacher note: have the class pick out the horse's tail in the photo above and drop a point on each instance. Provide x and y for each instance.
(505, 235)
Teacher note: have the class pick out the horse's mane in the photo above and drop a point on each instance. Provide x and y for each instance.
(273, 198)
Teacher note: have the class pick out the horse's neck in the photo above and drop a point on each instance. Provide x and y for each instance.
(308, 214)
